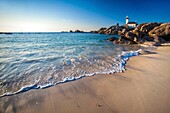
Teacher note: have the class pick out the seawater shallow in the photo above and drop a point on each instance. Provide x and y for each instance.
(40, 60)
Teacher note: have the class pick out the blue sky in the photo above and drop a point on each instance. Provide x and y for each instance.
(65, 15)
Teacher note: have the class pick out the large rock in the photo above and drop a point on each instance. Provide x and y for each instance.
(130, 35)
(112, 30)
(124, 40)
(147, 33)
(78, 31)
(116, 29)
(138, 33)
(146, 27)
(112, 39)
(128, 38)
(161, 31)
(135, 36)
(124, 31)
(140, 25)
(102, 30)
(115, 32)
(142, 36)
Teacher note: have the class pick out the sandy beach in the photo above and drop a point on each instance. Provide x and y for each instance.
(143, 88)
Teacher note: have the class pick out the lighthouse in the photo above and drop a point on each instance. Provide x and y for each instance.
(127, 19)
(130, 24)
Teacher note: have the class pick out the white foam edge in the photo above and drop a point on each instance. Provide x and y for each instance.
(123, 59)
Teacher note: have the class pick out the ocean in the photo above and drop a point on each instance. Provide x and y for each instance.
(40, 60)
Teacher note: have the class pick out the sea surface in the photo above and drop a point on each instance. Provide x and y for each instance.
(40, 60)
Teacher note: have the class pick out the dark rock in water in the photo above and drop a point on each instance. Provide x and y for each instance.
(7, 33)
(152, 33)
(130, 35)
(71, 31)
(93, 31)
(135, 37)
(124, 40)
(64, 31)
(112, 39)
(78, 31)
(161, 31)
(115, 32)
(102, 30)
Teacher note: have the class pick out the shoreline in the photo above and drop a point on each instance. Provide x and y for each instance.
(120, 62)
(144, 87)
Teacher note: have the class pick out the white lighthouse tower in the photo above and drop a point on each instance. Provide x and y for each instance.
(127, 19)
(130, 24)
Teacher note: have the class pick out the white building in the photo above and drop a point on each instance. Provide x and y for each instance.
(130, 24)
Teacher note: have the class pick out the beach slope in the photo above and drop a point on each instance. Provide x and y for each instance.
(143, 88)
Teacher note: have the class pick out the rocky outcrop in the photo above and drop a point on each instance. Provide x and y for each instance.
(114, 30)
(7, 33)
(71, 31)
(146, 33)
(93, 31)
(124, 40)
(112, 39)
(102, 31)
(161, 31)
(146, 27)
(76, 31)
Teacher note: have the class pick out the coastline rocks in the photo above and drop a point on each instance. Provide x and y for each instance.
(123, 31)
(146, 27)
(124, 40)
(130, 35)
(102, 30)
(76, 31)
(112, 39)
(114, 30)
(71, 31)
(6, 33)
(136, 36)
(146, 33)
(93, 31)
(161, 31)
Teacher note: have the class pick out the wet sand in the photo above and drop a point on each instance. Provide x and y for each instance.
(143, 88)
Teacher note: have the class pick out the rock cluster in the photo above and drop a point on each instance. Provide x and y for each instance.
(76, 31)
(145, 33)
(7, 33)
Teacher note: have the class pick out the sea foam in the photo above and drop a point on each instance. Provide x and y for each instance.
(118, 66)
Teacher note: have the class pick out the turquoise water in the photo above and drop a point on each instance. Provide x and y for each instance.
(33, 60)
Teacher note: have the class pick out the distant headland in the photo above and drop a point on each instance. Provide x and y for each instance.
(153, 33)
(7, 33)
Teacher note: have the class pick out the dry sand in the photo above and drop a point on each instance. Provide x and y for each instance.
(143, 88)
